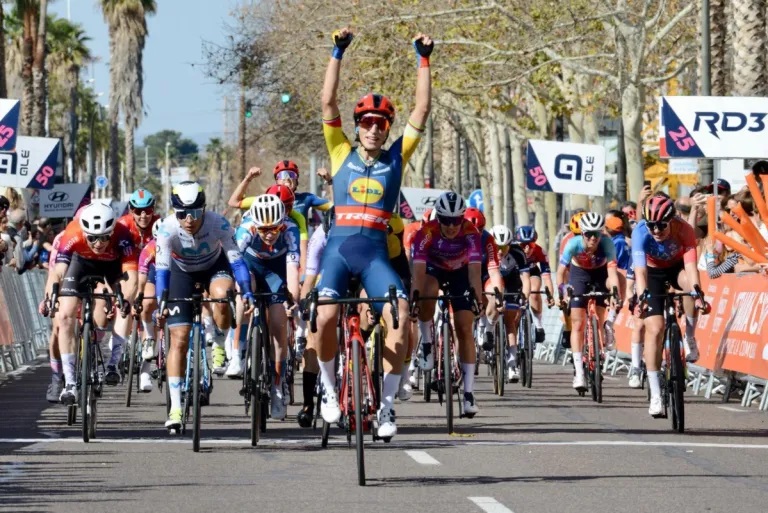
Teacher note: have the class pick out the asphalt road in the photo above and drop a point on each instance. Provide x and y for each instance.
(538, 450)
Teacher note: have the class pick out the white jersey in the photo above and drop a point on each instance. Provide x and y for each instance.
(196, 252)
(315, 250)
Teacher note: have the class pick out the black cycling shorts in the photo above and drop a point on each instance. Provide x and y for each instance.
(81, 267)
(182, 285)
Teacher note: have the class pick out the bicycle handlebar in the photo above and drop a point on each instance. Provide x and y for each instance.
(198, 298)
(315, 301)
(416, 298)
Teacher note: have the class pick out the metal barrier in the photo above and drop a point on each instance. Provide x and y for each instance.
(23, 331)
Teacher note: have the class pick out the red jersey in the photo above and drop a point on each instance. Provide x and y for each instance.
(139, 239)
(120, 247)
(491, 252)
(535, 255)
(409, 234)
(147, 257)
(448, 254)
(568, 236)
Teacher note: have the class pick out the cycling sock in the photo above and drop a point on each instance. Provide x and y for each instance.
(482, 323)
(578, 364)
(174, 387)
(55, 367)
(301, 328)
(653, 383)
(328, 374)
(469, 377)
(690, 326)
(308, 384)
(68, 366)
(149, 328)
(537, 321)
(227, 342)
(492, 323)
(512, 356)
(116, 343)
(208, 328)
(389, 387)
(425, 329)
(637, 354)
(611, 315)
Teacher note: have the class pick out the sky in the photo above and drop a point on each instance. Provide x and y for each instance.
(177, 94)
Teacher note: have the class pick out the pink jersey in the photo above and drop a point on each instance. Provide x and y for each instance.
(55, 250)
(448, 254)
(147, 257)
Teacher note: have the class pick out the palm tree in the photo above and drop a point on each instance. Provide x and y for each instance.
(127, 34)
(28, 13)
(39, 88)
(3, 88)
(749, 43)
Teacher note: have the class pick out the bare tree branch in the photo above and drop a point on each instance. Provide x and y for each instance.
(662, 32)
(669, 76)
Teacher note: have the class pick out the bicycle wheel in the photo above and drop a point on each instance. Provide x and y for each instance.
(85, 380)
(523, 340)
(676, 381)
(499, 359)
(447, 375)
(357, 384)
(376, 363)
(255, 385)
(196, 375)
(131, 352)
(598, 378)
(529, 343)
(265, 377)
(427, 384)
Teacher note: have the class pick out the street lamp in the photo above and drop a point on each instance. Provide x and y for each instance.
(167, 178)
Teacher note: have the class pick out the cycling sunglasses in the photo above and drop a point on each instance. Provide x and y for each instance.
(93, 239)
(450, 221)
(195, 213)
(146, 210)
(367, 122)
(592, 235)
(657, 226)
(285, 175)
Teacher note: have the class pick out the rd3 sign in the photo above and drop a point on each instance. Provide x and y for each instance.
(718, 127)
(566, 168)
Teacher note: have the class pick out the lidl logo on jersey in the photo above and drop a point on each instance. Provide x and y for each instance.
(366, 190)
(566, 168)
(715, 126)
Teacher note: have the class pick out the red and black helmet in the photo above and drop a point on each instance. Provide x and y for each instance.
(476, 217)
(285, 194)
(373, 103)
(286, 165)
(659, 209)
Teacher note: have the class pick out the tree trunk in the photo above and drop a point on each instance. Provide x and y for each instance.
(70, 130)
(749, 44)
(550, 204)
(241, 142)
(575, 127)
(522, 217)
(718, 31)
(38, 75)
(28, 95)
(130, 157)
(540, 212)
(632, 110)
(114, 156)
(507, 181)
(592, 136)
(3, 86)
(447, 157)
(457, 163)
(497, 181)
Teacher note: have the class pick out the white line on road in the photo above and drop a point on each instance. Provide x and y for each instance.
(422, 457)
(490, 505)
(731, 408)
(403, 444)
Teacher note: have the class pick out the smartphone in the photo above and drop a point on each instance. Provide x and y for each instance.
(647, 183)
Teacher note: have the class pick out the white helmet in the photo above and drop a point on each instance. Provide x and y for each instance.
(267, 210)
(502, 235)
(450, 204)
(591, 222)
(97, 219)
(156, 227)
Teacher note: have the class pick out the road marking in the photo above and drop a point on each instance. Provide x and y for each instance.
(422, 457)
(403, 444)
(490, 505)
(731, 408)
(610, 378)
(12, 471)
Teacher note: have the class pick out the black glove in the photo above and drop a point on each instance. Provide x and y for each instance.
(423, 50)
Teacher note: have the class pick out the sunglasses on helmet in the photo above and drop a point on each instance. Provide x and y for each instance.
(195, 213)
(367, 122)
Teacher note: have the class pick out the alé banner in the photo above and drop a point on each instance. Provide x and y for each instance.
(9, 123)
(566, 168)
(33, 165)
(415, 201)
(716, 127)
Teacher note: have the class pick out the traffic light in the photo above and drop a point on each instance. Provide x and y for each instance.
(248, 107)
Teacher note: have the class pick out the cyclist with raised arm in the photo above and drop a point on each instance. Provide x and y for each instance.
(92, 245)
(591, 259)
(270, 246)
(148, 307)
(538, 262)
(366, 187)
(663, 255)
(194, 246)
(517, 278)
(448, 255)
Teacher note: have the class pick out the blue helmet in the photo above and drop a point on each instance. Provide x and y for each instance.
(141, 198)
(526, 234)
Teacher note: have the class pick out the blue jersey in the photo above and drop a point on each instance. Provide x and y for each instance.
(623, 252)
(252, 245)
(575, 253)
(306, 200)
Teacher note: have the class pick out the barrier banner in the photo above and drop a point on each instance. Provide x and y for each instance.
(719, 127)
(9, 123)
(566, 168)
(33, 164)
(734, 336)
(63, 200)
(415, 201)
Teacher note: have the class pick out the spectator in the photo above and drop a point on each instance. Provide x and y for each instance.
(629, 208)
(723, 190)
(18, 232)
